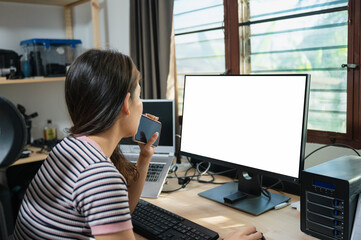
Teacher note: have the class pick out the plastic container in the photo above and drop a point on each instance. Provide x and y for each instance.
(50, 57)
(26, 68)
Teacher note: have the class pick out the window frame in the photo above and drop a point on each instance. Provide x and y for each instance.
(352, 137)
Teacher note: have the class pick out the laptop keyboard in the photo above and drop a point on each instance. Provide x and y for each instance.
(154, 171)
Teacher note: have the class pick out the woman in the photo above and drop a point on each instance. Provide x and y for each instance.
(86, 188)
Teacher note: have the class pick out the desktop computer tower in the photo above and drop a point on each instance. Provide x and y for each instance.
(329, 194)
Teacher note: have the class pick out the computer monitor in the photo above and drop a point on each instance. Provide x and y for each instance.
(256, 124)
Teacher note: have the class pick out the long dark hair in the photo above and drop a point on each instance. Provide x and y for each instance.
(95, 88)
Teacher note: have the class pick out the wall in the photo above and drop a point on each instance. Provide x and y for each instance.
(42, 21)
(325, 154)
(114, 24)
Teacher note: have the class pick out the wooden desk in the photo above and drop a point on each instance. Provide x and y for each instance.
(283, 224)
(33, 157)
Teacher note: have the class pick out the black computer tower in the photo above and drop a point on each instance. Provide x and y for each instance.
(329, 194)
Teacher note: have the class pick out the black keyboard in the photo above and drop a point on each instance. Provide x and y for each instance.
(154, 222)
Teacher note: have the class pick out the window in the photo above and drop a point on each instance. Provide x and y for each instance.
(285, 36)
(199, 39)
(301, 37)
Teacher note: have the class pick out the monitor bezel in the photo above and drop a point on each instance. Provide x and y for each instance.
(247, 168)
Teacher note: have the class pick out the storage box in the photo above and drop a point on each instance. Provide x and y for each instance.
(50, 57)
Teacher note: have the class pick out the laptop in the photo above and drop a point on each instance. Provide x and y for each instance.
(163, 156)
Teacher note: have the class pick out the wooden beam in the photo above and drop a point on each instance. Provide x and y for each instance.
(244, 38)
(68, 23)
(231, 36)
(48, 2)
(74, 4)
(96, 23)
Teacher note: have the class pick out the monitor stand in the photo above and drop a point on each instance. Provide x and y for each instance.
(245, 195)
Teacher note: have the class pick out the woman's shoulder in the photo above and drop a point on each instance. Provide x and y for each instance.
(80, 152)
(102, 172)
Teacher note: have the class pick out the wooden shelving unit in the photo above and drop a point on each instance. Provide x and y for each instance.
(46, 2)
(4, 81)
(68, 5)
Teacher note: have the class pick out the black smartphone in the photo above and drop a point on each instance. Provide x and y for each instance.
(147, 127)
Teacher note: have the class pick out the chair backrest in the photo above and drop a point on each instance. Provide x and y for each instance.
(12, 133)
(12, 141)
(6, 216)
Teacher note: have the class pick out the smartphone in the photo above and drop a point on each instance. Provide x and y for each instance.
(147, 127)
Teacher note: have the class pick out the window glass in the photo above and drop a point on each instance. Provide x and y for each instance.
(192, 15)
(266, 9)
(294, 36)
(199, 39)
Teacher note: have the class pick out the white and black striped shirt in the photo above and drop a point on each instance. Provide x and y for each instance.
(76, 194)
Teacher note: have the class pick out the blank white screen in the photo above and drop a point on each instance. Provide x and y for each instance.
(254, 121)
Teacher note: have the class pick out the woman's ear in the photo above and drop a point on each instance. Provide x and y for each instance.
(125, 107)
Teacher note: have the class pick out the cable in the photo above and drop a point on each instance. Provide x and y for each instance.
(204, 181)
(264, 190)
(275, 184)
(212, 175)
(181, 180)
(205, 175)
(205, 171)
(184, 180)
(333, 144)
(266, 193)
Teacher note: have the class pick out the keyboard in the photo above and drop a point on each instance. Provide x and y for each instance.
(154, 222)
(154, 171)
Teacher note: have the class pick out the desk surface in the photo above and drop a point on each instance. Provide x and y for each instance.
(283, 224)
(33, 157)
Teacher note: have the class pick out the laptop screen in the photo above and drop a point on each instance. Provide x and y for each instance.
(164, 109)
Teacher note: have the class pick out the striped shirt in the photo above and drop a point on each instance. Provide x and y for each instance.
(76, 194)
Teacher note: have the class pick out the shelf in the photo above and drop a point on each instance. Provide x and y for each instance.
(31, 80)
(68, 5)
(48, 2)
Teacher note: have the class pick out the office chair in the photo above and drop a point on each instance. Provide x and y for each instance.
(13, 137)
